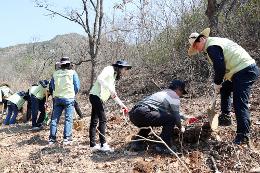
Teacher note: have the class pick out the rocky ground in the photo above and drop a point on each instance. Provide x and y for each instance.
(22, 150)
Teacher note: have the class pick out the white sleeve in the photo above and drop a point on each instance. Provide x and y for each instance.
(118, 101)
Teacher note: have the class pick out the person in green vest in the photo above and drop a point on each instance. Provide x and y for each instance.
(235, 71)
(5, 92)
(65, 84)
(38, 95)
(14, 103)
(76, 104)
(103, 88)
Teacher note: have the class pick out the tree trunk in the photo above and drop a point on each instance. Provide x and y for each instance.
(212, 15)
(212, 12)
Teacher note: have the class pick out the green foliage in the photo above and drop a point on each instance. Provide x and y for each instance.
(241, 23)
(161, 48)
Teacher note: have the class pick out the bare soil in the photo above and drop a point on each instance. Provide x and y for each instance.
(22, 150)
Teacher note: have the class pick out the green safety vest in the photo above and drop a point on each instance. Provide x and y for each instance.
(236, 58)
(63, 81)
(17, 100)
(102, 92)
(5, 91)
(38, 91)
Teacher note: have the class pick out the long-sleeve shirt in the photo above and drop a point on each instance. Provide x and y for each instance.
(166, 101)
(217, 57)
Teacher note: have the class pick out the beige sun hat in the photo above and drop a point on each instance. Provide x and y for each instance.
(193, 36)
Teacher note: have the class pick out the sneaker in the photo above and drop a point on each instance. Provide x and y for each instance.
(95, 148)
(225, 120)
(106, 147)
(52, 141)
(241, 139)
(67, 141)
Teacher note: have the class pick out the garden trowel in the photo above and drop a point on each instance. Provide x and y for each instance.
(212, 115)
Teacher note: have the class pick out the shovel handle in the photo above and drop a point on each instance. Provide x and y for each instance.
(213, 102)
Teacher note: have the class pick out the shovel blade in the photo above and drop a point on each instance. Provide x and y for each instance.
(213, 119)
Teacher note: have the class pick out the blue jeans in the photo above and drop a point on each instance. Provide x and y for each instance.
(61, 104)
(12, 114)
(241, 86)
(36, 106)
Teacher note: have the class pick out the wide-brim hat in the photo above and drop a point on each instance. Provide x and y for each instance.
(64, 60)
(122, 63)
(193, 37)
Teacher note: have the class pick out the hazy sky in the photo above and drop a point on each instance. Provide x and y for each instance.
(21, 22)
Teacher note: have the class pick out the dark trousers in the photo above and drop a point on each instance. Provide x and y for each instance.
(77, 109)
(29, 110)
(37, 105)
(145, 117)
(97, 116)
(241, 86)
(4, 101)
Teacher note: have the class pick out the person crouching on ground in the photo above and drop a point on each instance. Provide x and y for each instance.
(235, 71)
(159, 109)
(65, 84)
(103, 88)
(14, 104)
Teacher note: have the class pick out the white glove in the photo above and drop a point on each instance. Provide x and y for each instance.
(217, 88)
(182, 129)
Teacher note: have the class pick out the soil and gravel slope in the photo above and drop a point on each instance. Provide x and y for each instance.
(22, 150)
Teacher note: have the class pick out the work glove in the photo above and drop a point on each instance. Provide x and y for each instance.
(125, 110)
(217, 88)
(182, 129)
(192, 120)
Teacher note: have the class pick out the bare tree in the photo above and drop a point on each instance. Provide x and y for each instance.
(213, 10)
(92, 29)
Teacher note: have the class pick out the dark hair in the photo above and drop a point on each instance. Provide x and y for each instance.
(5, 84)
(118, 72)
(178, 84)
(198, 38)
(65, 66)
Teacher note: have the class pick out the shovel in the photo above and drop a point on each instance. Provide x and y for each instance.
(212, 115)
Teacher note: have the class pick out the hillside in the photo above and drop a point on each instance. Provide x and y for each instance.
(25, 151)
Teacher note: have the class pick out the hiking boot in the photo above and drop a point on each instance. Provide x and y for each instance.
(162, 149)
(241, 139)
(95, 148)
(225, 120)
(137, 146)
(52, 141)
(106, 147)
(67, 141)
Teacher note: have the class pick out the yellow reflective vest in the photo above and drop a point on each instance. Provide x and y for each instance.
(108, 77)
(38, 91)
(63, 82)
(17, 100)
(236, 58)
